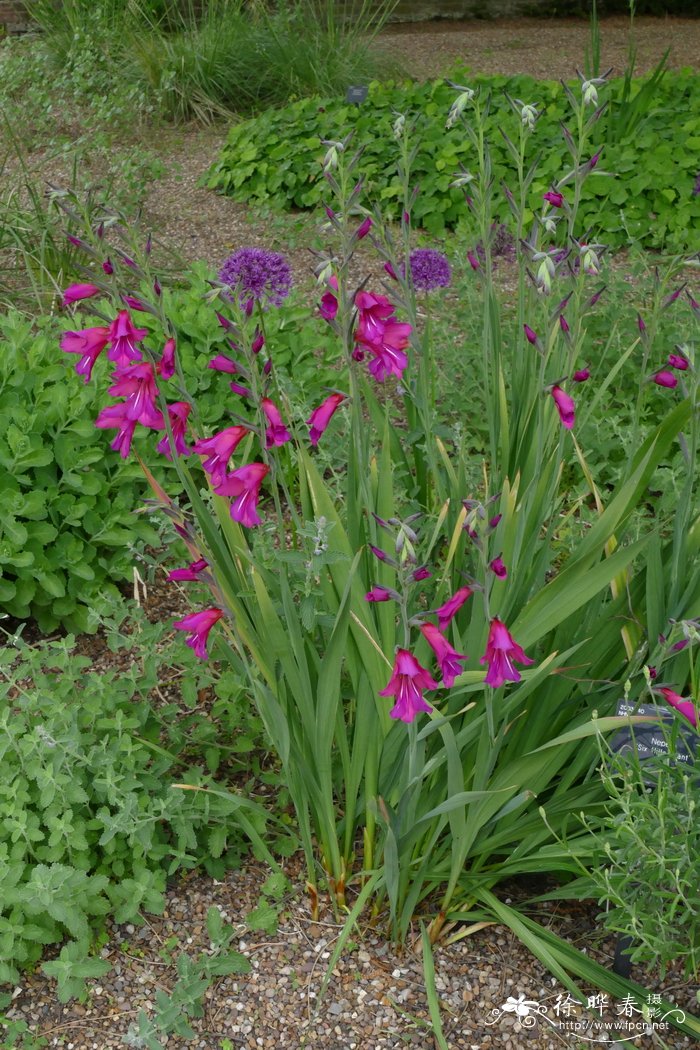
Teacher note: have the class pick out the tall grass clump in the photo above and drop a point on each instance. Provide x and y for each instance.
(200, 60)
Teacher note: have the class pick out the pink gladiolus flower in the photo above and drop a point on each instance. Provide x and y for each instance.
(380, 594)
(678, 647)
(380, 554)
(364, 228)
(166, 365)
(218, 449)
(563, 324)
(530, 335)
(473, 261)
(501, 652)
(75, 293)
(498, 568)
(192, 572)
(114, 417)
(198, 625)
(678, 361)
(494, 521)
(387, 360)
(565, 407)
(329, 306)
(243, 486)
(452, 606)
(137, 384)
(388, 268)
(554, 198)
(135, 304)
(242, 390)
(582, 375)
(178, 412)
(258, 341)
(373, 313)
(448, 657)
(276, 433)
(685, 707)
(107, 267)
(124, 337)
(407, 682)
(421, 574)
(222, 363)
(640, 324)
(321, 416)
(89, 343)
(664, 378)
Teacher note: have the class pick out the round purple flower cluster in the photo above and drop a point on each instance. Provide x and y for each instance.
(429, 269)
(257, 276)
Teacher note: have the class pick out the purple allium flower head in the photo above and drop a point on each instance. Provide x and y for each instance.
(429, 269)
(257, 275)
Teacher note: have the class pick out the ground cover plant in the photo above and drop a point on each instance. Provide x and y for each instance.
(340, 597)
(91, 826)
(643, 190)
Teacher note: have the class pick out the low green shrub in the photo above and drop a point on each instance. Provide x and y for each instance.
(67, 528)
(276, 156)
(91, 825)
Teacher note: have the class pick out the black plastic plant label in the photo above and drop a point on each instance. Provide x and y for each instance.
(357, 93)
(652, 739)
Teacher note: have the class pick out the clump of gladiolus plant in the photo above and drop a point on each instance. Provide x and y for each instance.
(430, 666)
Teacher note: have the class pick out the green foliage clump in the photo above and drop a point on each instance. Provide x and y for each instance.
(277, 156)
(651, 838)
(65, 505)
(91, 825)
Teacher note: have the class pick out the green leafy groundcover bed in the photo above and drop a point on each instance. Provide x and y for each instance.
(652, 149)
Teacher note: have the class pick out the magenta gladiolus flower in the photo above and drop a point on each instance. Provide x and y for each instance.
(494, 521)
(448, 657)
(321, 416)
(373, 313)
(166, 365)
(421, 574)
(222, 363)
(115, 417)
(381, 335)
(244, 391)
(388, 268)
(407, 682)
(380, 594)
(380, 554)
(276, 433)
(329, 306)
(473, 261)
(498, 568)
(664, 378)
(198, 625)
(75, 293)
(89, 343)
(258, 341)
(137, 384)
(685, 707)
(530, 335)
(192, 572)
(554, 198)
(107, 267)
(501, 652)
(243, 486)
(565, 407)
(218, 449)
(123, 338)
(364, 228)
(563, 324)
(134, 304)
(178, 413)
(582, 375)
(452, 606)
(678, 361)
